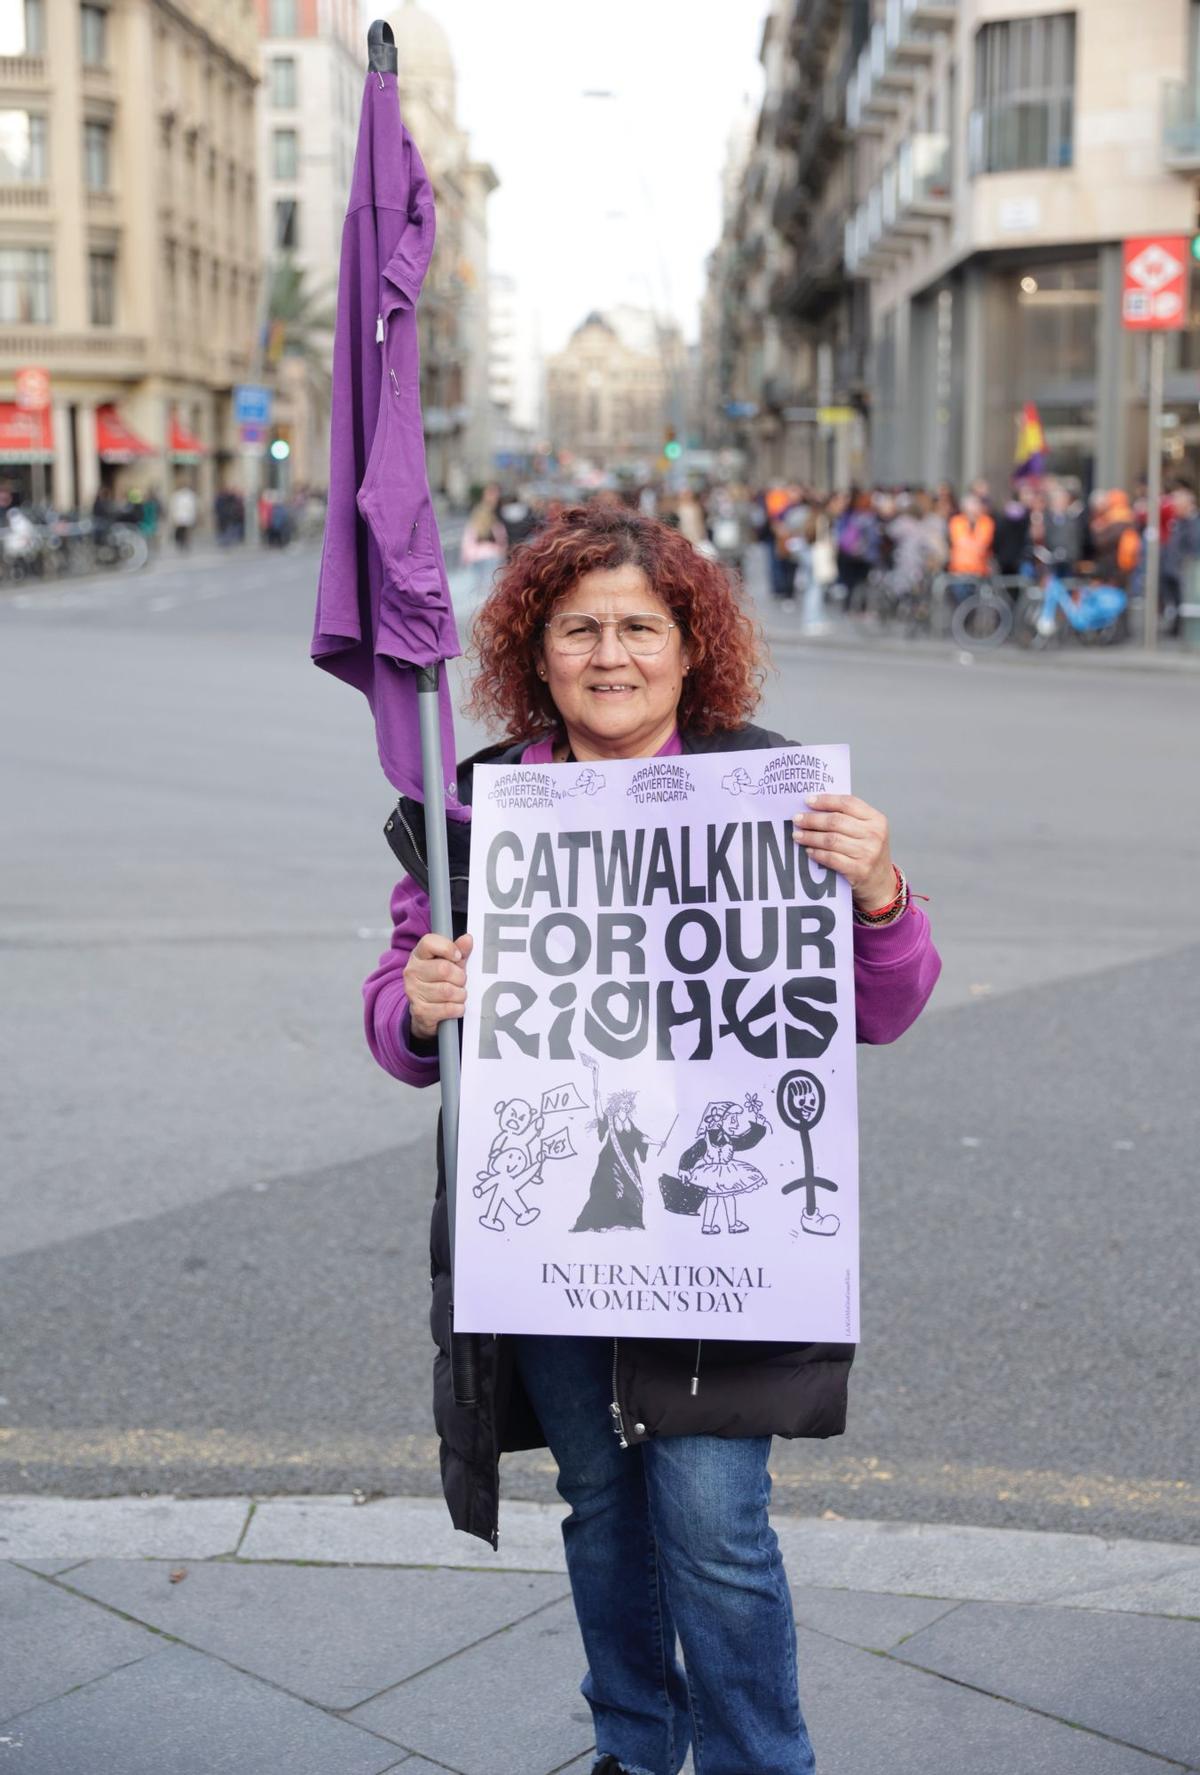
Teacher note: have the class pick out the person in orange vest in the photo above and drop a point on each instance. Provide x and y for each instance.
(972, 533)
(1116, 545)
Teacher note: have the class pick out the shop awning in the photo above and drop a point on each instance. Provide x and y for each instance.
(115, 443)
(184, 445)
(25, 436)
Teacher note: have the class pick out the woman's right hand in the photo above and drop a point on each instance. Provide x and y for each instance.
(435, 982)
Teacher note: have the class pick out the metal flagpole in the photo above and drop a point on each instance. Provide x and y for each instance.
(1158, 341)
(464, 1351)
(382, 59)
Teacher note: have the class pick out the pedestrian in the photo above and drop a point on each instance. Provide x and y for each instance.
(823, 561)
(857, 548)
(1180, 552)
(279, 522)
(484, 540)
(226, 513)
(519, 516)
(1116, 544)
(691, 519)
(972, 531)
(668, 1534)
(1010, 542)
(183, 515)
(1065, 527)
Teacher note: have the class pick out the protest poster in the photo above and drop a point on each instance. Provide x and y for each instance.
(659, 1129)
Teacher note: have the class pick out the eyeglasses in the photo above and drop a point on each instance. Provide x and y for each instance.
(644, 633)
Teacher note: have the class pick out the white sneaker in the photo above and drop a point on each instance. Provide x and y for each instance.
(824, 1224)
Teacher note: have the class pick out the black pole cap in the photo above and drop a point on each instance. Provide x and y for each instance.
(381, 48)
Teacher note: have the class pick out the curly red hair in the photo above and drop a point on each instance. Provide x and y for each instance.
(722, 688)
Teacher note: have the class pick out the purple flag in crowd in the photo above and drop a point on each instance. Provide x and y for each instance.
(383, 599)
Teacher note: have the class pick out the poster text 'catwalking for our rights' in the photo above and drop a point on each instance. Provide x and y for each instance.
(659, 1124)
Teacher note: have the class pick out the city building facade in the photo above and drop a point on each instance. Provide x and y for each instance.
(1003, 154)
(453, 314)
(615, 391)
(129, 256)
(313, 68)
(515, 377)
(927, 234)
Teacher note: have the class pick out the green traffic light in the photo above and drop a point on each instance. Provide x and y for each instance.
(1195, 248)
(672, 450)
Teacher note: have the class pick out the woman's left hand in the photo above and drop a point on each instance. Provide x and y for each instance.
(843, 833)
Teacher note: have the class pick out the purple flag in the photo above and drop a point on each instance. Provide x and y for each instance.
(383, 599)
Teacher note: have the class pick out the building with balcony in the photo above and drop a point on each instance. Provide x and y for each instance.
(927, 232)
(453, 313)
(313, 67)
(516, 376)
(786, 329)
(129, 258)
(1002, 155)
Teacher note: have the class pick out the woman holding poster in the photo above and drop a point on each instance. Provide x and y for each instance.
(608, 636)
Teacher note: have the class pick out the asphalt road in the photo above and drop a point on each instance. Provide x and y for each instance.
(213, 1207)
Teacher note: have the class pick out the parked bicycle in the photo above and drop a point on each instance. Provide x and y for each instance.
(982, 616)
(901, 600)
(65, 546)
(1059, 608)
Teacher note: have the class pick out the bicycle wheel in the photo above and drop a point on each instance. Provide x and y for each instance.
(131, 547)
(981, 621)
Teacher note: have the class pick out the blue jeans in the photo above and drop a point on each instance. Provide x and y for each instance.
(670, 1537)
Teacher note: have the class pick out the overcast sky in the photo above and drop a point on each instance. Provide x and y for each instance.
(603, 200)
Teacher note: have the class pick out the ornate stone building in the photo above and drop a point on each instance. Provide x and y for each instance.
(609, 402)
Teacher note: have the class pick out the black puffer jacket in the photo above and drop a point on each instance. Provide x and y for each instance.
(745, 1389)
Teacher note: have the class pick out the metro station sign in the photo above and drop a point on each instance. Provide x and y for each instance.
(1154, 294)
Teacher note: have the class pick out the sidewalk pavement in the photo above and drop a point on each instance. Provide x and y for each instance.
(842, 634)
(333, 1636)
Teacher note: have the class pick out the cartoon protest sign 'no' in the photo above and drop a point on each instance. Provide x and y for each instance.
(660, 1021)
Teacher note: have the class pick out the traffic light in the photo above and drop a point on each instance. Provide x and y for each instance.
(1195, 249)
(672, 448)
(280, 449)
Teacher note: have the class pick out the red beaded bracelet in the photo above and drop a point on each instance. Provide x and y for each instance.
(882, 911)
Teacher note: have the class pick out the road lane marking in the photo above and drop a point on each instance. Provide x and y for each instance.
(115, 1448)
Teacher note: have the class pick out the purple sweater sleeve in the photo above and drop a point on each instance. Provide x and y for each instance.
(895, 970)
(385, 1002)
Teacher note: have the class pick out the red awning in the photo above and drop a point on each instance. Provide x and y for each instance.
(25, 436)
(115, 442)
(185, 446)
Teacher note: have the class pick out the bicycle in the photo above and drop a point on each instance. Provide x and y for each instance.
(119, 545)
(1096, 614)
(899, 598)
(983, 618)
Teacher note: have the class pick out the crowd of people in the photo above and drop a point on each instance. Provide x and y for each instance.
(827, 551)
(844, 539)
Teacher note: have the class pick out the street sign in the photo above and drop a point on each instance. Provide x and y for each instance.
(251, 405)
(251, 436)
(33, 390)
(1154, 296)
(836, 415)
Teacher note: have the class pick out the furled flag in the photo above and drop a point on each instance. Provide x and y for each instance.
(1030, 458)
(383, 601)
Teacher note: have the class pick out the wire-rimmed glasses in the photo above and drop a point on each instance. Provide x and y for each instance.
(576, 632)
